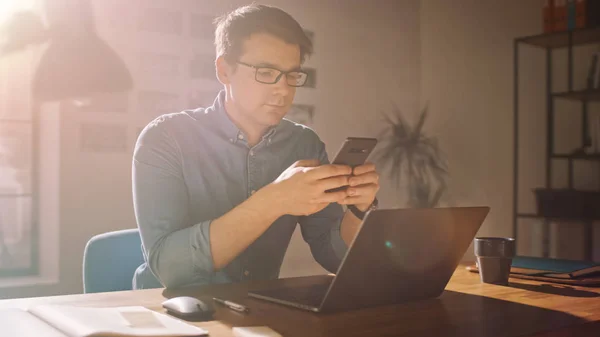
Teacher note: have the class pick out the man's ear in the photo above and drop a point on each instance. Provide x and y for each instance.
(224, 70)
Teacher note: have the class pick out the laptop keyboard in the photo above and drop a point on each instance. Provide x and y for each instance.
(311, 295)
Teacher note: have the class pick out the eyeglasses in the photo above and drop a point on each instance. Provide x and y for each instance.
(267, 75)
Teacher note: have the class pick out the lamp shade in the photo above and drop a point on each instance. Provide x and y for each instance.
(76, 61)
(76, 66)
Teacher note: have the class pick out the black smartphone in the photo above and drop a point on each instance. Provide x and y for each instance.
(353, 152)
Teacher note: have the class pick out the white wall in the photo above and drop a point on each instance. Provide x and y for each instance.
(467, 76)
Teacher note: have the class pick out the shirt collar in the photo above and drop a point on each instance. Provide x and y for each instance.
(226, 125)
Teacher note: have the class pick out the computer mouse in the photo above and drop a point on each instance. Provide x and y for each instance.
(189, 308)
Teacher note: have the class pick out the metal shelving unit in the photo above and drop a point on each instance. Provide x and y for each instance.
(548, 43)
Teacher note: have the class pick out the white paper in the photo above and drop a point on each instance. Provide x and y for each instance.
(17, 322)
(119, 321)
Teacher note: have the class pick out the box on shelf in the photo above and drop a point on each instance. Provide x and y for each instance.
(568, 203)
(563, 15)
(560, 202)
(592, 206)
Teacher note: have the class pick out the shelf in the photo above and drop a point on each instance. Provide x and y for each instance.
(563, 205)
(580, 95)
(561, 39)
(579, 156)
(540, 216)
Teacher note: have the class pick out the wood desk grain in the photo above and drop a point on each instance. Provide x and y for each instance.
(466, 308)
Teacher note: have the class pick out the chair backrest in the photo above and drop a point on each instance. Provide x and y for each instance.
(110, 260)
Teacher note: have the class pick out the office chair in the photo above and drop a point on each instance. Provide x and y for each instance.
(110, 261)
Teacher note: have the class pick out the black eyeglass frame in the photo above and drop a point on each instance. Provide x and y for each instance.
(281, 73)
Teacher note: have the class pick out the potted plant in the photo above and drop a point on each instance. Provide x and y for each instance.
(412, 158)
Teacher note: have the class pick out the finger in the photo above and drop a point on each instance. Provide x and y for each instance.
(363, 190)
(332, 182)
(364, 179)
(354, 200)
(331, 170)
(362, 169)
(330, 197)
(306, 163)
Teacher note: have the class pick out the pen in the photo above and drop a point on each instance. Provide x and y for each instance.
(232, 305)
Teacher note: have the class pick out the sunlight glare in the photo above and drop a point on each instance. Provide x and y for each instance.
(9, 7)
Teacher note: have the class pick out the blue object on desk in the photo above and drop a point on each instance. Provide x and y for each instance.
(110, 260)
(552, 265)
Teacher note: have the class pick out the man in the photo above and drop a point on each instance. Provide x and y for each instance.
(218, 191)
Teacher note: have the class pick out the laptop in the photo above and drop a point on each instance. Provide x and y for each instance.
(398, 255)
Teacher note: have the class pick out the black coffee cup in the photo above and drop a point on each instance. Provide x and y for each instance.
(494, 258)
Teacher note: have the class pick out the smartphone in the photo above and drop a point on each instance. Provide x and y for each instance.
(354, 152)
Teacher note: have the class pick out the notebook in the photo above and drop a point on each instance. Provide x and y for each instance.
(72, 321)
(558, 268)
(573, 272)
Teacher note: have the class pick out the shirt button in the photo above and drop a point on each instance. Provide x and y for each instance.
(246, 273)
(252, 153)
(240, 136)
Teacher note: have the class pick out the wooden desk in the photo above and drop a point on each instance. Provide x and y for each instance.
(467, 308)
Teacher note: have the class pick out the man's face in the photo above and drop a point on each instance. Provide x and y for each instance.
(258, 103)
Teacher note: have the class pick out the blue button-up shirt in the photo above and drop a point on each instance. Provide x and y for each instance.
(192, 167)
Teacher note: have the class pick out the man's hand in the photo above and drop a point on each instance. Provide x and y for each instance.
(300, 189)
(364, 185)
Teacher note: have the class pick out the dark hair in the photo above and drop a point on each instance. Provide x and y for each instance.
(236, 26)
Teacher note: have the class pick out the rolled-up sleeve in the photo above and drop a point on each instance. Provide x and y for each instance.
(322, 230)
(177, 251)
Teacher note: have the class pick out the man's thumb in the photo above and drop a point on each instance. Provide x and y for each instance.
(307, 163)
